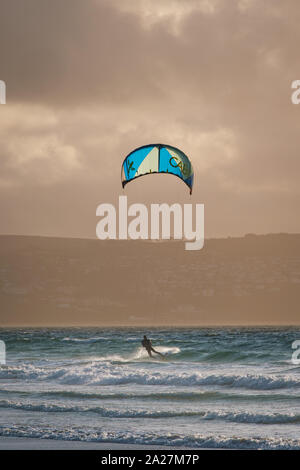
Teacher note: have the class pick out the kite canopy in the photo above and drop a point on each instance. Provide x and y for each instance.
(157, 158)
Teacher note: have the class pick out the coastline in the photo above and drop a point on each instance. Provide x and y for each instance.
(31, 443)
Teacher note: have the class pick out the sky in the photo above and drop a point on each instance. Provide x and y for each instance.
(89, 81)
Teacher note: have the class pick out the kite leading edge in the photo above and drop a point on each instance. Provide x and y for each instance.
(157, 158)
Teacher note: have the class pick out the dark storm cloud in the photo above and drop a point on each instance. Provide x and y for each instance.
(72, 51)
(87, 81)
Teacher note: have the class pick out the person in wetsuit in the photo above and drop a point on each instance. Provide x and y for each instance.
(147, 344)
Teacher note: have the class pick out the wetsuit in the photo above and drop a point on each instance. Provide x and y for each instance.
(147, 344)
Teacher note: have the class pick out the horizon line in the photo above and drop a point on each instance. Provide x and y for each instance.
(224, 237)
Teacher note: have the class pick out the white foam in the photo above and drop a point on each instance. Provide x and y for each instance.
(139, 355)
(151, 438)
(85, 340)
(103, 372)
(236, 417)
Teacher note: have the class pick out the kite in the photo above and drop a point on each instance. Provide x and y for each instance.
(157, 158)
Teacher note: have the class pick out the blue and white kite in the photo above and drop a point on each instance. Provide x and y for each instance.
(157, 158)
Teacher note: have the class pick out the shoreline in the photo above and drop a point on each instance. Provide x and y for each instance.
(33, 443)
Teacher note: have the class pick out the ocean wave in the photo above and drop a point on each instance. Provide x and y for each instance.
(151, 438)
(236, 417)
(254, 418)
(101, 373)
(180, 396)
(139, 355)
(86, 340)
(104, 412)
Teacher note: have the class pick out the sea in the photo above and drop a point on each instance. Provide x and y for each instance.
(230, 388)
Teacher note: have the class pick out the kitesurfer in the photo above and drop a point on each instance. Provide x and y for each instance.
(147, 344)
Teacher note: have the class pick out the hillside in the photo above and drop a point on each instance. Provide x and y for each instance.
(59, 281)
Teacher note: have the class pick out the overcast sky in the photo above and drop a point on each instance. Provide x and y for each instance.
(90, 80)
